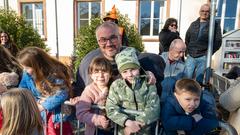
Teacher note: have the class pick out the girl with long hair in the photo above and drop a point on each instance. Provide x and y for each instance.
(20, 113)
(49, 81)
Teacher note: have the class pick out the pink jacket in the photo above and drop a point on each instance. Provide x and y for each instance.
(91, 95)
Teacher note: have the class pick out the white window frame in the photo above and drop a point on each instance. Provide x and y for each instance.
(36, 19)
(89, 12)
(161, 18)
(223, 12)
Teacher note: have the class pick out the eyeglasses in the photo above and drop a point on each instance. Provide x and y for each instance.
(112, 39)
(206, 11)
(172, 25)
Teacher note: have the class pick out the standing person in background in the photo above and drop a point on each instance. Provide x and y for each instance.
(197, 44)
(49, 81)
(20, 113)
(112, 17)
(168, 34)
(8, 43)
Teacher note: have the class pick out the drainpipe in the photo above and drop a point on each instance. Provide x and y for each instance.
(6, 5)
(56, 18)
(180, 16)
(210, 42)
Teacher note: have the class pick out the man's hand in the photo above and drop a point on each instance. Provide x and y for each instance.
(151, 77)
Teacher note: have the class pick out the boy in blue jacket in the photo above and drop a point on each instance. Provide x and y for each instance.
(186, 113)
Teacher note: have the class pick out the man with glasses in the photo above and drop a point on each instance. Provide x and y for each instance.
(109, 43)
(175, 68)
(197, 44)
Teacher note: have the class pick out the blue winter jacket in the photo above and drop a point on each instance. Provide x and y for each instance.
(51, 103)
(174, 118)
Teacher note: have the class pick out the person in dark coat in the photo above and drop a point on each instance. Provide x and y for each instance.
(186, 112)
(168, 34)
(197, 43)
(109, 43)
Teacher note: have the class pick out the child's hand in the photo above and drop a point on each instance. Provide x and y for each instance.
(103, 122)
(73, 101)
(42, 99)
(134, 126)
(151, 78)
(197, 117)
(127, 131)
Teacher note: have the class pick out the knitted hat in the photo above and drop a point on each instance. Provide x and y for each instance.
(112, 14)
(9, 79)
(126, 59)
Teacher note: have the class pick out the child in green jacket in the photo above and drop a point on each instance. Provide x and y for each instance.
(132, 92)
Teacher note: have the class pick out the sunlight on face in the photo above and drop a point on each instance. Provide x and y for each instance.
(111, 45)
(188, 101)
(29, 70)
(130, 74)
(100, 78)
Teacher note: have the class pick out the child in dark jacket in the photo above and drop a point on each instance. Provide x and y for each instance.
(186, 113)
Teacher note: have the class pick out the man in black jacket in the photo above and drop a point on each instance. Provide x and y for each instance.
(197, 44)
(109, 43)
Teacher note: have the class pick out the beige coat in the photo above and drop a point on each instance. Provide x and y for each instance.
(230, 100)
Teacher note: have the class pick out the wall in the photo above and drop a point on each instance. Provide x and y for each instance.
(65, 26)
(66, 20)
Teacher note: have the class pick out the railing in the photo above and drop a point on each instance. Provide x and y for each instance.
(227, 127)
(158, 131)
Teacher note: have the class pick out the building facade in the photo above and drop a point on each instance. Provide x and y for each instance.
(58, 21)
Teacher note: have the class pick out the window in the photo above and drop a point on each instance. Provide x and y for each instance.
(150, 17)
(86, 11)
(226, 12)
(33, 12)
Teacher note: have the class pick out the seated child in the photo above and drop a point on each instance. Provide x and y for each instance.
(95, 93)
(186, 112)
(132, 92)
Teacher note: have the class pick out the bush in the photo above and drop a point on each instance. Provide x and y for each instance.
(86, 39)
(20, 31)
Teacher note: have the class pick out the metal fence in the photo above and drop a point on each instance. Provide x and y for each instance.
(158, 129)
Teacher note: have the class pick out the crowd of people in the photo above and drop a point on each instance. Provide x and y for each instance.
(118, 79)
